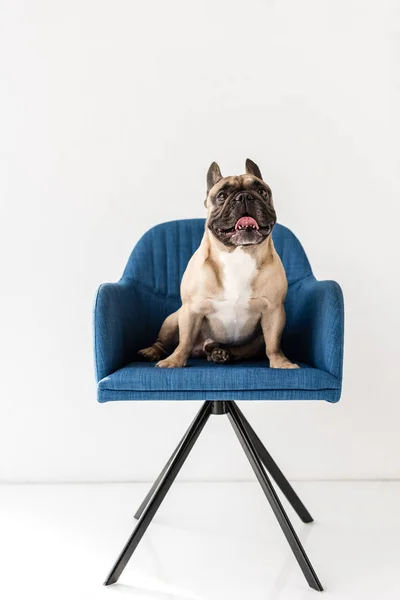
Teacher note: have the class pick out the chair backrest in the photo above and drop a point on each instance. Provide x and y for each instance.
(159, 259)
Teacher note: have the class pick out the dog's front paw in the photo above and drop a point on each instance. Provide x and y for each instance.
(220, 355)
(152, 353)
(171, 362)
(281, 362)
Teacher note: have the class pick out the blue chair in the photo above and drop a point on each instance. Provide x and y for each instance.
(128, 316)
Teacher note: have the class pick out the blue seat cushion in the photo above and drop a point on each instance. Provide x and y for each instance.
(203, 380)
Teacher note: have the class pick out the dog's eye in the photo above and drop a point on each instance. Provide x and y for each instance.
(221, 197)
(263, 192)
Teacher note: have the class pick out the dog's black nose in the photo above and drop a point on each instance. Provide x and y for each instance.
(243, 197)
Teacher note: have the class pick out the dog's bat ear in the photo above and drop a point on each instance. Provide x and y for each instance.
(213, 175)
(252, 168)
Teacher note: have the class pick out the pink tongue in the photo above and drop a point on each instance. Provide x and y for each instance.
(246, 222)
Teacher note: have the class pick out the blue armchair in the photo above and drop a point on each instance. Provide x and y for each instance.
(127, 317)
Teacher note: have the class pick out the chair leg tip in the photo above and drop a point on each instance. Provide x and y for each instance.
(317, 586)
(307, 519)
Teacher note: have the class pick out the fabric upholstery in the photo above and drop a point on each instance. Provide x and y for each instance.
(201, 376)
(128, 315)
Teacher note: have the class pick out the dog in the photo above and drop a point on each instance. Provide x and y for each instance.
(234, 286)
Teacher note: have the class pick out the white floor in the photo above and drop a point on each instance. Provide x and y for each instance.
(215, 541)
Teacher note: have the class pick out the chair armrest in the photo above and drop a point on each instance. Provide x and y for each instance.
(117, 326)
(314, 331)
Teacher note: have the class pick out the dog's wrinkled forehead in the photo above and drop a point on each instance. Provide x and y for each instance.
(235, 183)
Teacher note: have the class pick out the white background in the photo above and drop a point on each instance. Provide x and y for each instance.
(111, 112)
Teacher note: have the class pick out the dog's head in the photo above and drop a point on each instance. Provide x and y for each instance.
(240, 209)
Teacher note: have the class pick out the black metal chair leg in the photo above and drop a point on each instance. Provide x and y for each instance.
(153, 488)
(161, 475)
(160, 492)
(273, 498)
(274, 470)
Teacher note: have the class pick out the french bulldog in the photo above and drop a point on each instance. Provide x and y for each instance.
(234, 286)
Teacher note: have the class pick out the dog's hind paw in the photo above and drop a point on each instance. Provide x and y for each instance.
(220, 355)
(215, 353)
(152, 353)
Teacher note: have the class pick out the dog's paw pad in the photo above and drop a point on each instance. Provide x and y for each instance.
(220, 355)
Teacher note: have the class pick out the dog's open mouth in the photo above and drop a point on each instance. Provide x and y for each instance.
(246, 223)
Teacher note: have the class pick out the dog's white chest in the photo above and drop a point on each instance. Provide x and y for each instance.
(239, 269)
